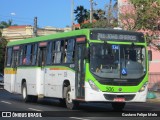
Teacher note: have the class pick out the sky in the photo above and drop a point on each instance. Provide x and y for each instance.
(55, 13)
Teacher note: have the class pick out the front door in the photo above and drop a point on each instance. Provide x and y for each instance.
(80, 71)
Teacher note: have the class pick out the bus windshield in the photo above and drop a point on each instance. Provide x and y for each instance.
(117, 61)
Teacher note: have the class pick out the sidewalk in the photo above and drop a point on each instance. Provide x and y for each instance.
(156, 99)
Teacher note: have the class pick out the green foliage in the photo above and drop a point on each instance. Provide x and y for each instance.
(4, 24)
(146, 17)
(103, 23)
(3, 44)
(87, 25)
(99, 14)
(82, 14)
(147, 12)
(102, 18)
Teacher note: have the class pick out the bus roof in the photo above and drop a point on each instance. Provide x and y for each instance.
(50, 37)
(64, 35)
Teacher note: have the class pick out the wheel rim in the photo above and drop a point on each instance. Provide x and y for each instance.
(24, 92)
(69, 100)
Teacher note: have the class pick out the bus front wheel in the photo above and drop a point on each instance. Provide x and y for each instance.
(26, 97)
(118, 106)
(69, 102)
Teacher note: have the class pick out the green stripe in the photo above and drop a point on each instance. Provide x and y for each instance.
(35, 67)
(50, 37)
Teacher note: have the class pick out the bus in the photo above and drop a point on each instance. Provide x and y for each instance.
(88, 65)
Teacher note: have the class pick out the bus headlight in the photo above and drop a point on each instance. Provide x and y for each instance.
(143, 87)
(93, 86)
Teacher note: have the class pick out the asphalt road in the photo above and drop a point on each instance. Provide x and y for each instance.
(88, 111)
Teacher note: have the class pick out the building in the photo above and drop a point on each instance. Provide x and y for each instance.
(14, 33)
(126, 7)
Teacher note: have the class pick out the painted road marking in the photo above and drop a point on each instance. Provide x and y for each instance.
(6, 102)
(34, 109)
(79, 118)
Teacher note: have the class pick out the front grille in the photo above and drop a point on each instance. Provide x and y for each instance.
(112, 96)
(121, 82)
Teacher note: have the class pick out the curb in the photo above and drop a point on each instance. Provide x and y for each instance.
(153, 101)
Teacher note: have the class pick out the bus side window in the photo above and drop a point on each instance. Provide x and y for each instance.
(34, 53)
(63, 44)
(65, 51)
(23, 55)
(28, 55)
(70, 51)
(53, 52)
(9, 57)
(49, 54)
(57, 52)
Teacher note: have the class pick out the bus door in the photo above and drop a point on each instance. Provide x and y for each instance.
(41, 64)
(80, 70)
(15, 55)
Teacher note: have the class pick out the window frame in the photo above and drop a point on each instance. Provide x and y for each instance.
(9, 56)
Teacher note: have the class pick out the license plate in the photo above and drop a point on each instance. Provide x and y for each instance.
(119, 99)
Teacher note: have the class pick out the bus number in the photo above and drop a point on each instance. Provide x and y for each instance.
(109, 89)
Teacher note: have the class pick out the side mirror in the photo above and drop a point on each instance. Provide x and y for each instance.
(150, 55)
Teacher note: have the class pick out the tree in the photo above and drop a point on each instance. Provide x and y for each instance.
(102, 18)
(4, 24)
(82, 14)
(3, 44)
(144, 15)
(99, 14)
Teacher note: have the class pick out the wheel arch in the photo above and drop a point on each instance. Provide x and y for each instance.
(22, 82)
(66, 83)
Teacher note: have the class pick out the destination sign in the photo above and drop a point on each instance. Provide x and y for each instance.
(103, 36)
(120, 36)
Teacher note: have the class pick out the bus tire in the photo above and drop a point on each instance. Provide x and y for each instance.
(70, 104)
(62, 102)
(118, 106)
(34, 98)
(25, 96)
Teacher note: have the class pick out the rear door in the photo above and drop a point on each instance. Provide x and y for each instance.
(41, 63)
(15, 58)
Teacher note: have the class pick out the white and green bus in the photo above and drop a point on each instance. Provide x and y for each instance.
(89, 65)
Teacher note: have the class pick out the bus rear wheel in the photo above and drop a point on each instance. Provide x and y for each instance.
(69, 102)
(118, 106)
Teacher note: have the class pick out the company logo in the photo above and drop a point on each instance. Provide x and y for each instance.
(6, 114)
(119, 89)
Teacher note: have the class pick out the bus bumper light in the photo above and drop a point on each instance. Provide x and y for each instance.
(93, 86)
(143, 87)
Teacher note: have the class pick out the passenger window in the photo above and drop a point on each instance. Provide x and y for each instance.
(49, 54)
(9, 57)
(57, 52)
(70, 51)
(23, 55)
(28, 55)
(34, 53)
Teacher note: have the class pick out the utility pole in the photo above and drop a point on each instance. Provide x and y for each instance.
(35, 27)
(91, 10)
(72, 15)
(118, 3)
(109, 12)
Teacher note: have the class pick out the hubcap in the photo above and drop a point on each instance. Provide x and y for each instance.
(69, 100)
(24, 93)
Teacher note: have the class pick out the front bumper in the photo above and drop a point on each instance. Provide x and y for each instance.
(95, 96)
